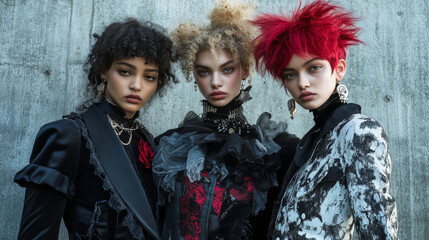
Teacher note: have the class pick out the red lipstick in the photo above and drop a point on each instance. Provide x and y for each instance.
(133, 98)
(217, 95)
(307, 96)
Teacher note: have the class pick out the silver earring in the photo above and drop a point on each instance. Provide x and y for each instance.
(100, 89)
(343, 92)
(195, 86)
(291, 107)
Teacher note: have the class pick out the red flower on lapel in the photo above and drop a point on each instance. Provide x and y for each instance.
(146, 154)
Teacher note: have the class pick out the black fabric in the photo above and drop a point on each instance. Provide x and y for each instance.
(63, 182)
(125, 180)
(54, 158)
(288, 142)
(237, 153)
(326, 117)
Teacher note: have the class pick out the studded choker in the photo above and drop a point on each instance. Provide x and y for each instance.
(229, 118)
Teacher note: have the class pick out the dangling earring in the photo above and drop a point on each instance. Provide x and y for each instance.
(244, 92)
(291, 107)
(195, 86)
(343, 92)
(100, 89)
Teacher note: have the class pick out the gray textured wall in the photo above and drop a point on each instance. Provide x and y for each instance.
(43, 44)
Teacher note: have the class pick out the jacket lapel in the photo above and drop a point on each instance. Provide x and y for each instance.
(118, 168)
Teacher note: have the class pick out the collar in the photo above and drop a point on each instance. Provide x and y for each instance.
(322, 113)
(230, 111)
(112, 157)
(229, 118)
(116, 113)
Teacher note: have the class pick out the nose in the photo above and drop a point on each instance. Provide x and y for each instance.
(303, 81)
(216, 81)
(136, 83)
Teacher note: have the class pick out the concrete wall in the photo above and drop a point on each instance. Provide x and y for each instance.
(43, 44)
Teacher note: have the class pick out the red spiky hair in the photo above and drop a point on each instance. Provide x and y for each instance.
(319, 28)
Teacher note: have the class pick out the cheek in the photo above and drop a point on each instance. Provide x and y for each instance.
(289, 89)
(203, 85)
(151, 88)
(235, 81)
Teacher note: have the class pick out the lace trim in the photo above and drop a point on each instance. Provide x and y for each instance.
(115, 202)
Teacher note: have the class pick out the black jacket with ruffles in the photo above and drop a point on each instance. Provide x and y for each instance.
(215, 184)
(80, 172)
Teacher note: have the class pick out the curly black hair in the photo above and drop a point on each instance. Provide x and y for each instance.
(131, 38)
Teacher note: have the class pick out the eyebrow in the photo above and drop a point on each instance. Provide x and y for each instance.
(223, 65)
(306, 63)
(133, 67)
(126, 64)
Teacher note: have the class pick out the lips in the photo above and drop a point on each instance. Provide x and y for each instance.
(217, 95)
(133, 98)
(306, 96)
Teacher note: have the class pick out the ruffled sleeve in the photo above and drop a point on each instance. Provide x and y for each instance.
(54, 159)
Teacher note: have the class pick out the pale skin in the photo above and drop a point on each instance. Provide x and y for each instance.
(219, 78)
(130, 83)
(311, 81)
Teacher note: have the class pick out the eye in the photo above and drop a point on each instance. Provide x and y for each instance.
(203, 73)
(315, 68)
(228, 70)
(150, 78)
(289, 76)
(124, 72)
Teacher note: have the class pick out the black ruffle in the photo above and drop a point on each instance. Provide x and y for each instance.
(54, 159)
(41, 175)
(195, 147)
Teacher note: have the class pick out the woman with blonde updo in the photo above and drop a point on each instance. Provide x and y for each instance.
(214, 172)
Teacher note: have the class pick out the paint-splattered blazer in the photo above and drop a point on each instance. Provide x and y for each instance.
(343, 186)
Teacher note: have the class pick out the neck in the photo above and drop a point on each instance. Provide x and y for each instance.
(228, 118)
(116, 113)
(232, 110)
(322, 113)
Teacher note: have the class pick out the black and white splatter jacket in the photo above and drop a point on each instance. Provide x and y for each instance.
(341, 183)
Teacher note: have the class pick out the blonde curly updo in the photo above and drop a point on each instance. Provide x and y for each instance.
(229, 30)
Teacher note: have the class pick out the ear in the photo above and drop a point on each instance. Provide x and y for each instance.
(341, 70)
(103, 76)
(245, 73)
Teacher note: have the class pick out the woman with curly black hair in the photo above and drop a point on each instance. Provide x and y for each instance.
(93, 169)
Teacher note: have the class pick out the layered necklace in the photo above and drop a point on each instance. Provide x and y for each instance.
(119, 129)
(228, 119)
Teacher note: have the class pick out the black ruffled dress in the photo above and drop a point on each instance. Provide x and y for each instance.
(80, 172)
(213, 173)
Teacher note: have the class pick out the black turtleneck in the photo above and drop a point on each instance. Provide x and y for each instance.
(322, 113)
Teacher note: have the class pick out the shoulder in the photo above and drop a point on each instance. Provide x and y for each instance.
(61, 128)
(361, 125)
(54, 158)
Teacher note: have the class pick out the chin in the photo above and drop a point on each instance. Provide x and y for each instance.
(219, 103)
(310, 105)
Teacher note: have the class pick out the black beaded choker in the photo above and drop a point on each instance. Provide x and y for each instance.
(229, 118)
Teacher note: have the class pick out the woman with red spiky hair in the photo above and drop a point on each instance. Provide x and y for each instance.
(340, 176)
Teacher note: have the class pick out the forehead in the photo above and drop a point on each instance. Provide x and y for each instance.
(137, 62)
(208, 58)
(301, 59)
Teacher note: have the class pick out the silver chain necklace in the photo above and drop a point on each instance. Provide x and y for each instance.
(119, 129)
